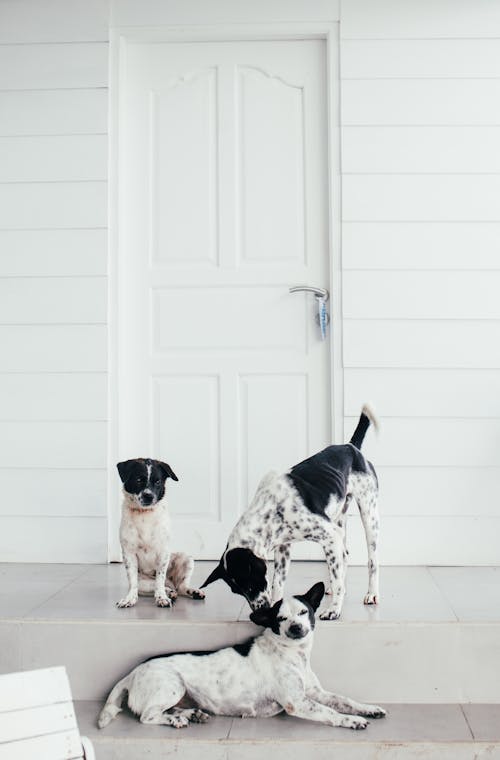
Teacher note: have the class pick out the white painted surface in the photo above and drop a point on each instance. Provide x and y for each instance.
(53, 312)
(222, 371)
(37, 718)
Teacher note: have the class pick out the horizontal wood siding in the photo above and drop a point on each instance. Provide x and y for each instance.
(53, 310)
(420, 102)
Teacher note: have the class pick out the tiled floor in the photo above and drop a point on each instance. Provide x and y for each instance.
(408, 594)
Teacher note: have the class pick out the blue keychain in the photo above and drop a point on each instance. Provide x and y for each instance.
(323, 318)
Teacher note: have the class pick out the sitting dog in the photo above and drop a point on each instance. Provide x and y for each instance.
(307, 503)
(260, 678)
(145, 536)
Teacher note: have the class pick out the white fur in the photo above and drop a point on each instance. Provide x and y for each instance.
(274, 676)
(150, 566)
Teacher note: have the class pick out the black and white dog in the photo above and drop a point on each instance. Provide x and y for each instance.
(261, 678)
(307, 503)
(145, 536)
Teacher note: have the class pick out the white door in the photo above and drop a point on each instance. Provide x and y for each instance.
(223, 207)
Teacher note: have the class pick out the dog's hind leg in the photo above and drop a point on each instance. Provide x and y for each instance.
(179, 575)
(281, 567)
(162, 709)
(366, 495)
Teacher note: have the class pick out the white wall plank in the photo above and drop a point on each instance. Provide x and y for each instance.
(53, 492)
(53, 112)
(421, 197)
(424, 392)
(58, 204)
(54, 348)
(439, 491)
(53, 539)
(426, 18)
(53, 444)
(372, 59)
(429, 343)
(56, 300)
(420, 150)
(36, 67)
(420, 101)
(428, 245)
(420, 295)
(50, 159)
(431, 442)
(53, 20)
(53, 253)
(156, 12)
(45, 396)
(416, 540)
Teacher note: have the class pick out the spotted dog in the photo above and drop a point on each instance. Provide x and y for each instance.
(260, 678)
(307, 503)
(145, 536)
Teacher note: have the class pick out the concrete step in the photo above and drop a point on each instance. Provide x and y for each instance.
(433, 732)
(433, 639)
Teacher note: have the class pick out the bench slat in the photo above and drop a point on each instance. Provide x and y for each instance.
(64, 746)
(34, 689)
(37, 721)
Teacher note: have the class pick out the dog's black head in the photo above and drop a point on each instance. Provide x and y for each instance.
(245, 574)
(144, 480)
(294, 617)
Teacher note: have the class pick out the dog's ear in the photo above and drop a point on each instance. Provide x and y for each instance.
(169, 473)
(265, 616)
(124, 468)
(314, 595)
(215, 575)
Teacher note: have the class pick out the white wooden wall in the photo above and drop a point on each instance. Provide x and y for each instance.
(53, 171)
(420, 116)
(420, 97)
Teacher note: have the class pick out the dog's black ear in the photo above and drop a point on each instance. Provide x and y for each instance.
(215, 575)
(124, 468)
(265, 616)
(314, 595)
(169, 473)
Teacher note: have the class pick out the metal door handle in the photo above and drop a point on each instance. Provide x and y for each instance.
(320, 293)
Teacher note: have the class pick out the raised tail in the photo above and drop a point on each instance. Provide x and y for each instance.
(113, 703)
(366, 419)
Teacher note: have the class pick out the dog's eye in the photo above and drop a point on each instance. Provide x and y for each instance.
(157, 482)
(303, 612)
(280, 619)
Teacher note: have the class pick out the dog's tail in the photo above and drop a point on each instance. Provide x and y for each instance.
(113, 703)
(366, 419)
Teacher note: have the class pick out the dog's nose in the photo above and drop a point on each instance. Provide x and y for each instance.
(146, 498)
(295, 631)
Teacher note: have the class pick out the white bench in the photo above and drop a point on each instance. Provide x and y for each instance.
(37, 718)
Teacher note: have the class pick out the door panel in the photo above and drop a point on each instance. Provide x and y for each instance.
(223, 206)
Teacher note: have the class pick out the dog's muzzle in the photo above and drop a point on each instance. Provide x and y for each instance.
(261, 601)
(296, 631)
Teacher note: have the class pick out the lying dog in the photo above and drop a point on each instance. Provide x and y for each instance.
(261, 678)
(145, 536)
(307, 503)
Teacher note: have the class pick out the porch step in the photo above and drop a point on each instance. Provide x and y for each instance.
(433, 732)
(434, 638)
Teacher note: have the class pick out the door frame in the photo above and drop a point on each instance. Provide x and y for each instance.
(119, 38)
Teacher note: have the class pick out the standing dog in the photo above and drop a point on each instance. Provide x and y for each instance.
(145, 536)
(261, 678)
(307, 503)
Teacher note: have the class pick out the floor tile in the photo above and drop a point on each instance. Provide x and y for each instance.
(473, 592)
(404, 723)
(484, 721)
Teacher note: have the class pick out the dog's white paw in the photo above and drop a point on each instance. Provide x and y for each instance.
(354, 721)
(179, 721)
(172, 594)
(370, 599)
(127, 601)
(198, 716)
(163, 601)
(330, 614)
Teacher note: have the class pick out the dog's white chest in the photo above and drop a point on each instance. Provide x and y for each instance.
(145, 533)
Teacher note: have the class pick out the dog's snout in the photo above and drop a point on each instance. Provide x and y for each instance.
(295, 631)
(147, 497)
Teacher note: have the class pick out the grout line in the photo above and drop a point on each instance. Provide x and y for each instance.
(441, 592)
(467, 722)
(62, 588)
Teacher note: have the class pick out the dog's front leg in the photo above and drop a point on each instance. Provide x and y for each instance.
(344, 705)
(161, 598)
(333, 545)
(131, 567)
(309, 709)
(281, 567)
